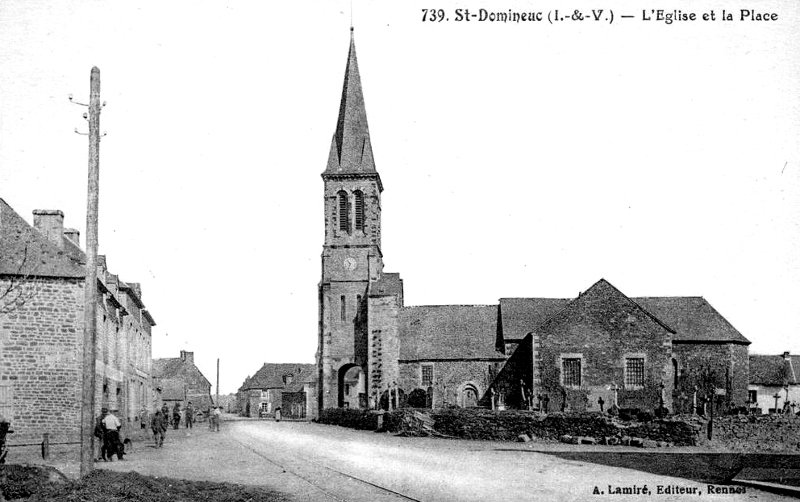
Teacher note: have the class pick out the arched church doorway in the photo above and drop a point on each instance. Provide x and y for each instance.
(469, 396)
(352, 387)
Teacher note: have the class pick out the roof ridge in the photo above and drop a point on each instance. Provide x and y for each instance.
(452, 305)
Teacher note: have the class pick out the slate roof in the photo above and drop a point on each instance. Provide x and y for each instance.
(520, 316)
(387, 285)
(25, 251)
(172, 389)
(451, 332)
(351, 150)
(175, 367)
(600, 300)
(270, 376)
(774, 370)
(692, 318)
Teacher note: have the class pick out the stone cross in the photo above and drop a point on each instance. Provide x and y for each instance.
(601, 403)
(492, 392)
(615, 388)
(776, 396)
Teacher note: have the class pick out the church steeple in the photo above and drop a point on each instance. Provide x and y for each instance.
(351, 151)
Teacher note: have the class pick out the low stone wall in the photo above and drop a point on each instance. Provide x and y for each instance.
(510, 425)
(755, 432)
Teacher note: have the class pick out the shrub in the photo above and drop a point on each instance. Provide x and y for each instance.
(352, 418)
(418, 398)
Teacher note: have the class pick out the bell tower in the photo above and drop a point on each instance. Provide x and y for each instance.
(351, 252)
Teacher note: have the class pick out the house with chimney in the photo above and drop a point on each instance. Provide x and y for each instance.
(42, 323)
(284, 386)
(178, 380)
(774, 382)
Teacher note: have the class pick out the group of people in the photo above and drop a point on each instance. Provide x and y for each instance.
(106, 430)
(160, 421)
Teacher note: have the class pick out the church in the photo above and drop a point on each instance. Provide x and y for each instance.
(573, 353)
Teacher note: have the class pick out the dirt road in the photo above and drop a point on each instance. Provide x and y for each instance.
(323, 463)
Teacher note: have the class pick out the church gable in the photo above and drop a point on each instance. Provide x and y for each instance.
(599, 340)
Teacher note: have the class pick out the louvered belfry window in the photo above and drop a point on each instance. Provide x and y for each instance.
(344, 213)
(359, 196)
(571, 372)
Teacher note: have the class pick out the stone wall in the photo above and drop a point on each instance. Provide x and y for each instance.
(41, 350)
(384, 344)
(756, 432)
(706, 367)
(603, 328)
(509, 425)
(479, 424)
(451, 380)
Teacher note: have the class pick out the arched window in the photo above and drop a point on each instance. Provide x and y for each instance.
(359, 196)
(344, 212)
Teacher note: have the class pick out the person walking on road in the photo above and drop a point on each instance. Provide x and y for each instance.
(189, 415)
(217, 417)
(176, 416)
(112, 426)
(159, 426)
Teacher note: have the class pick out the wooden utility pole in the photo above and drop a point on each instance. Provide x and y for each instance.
(217, 401)
(90, 307)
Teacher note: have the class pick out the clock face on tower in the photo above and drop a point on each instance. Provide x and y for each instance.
(350, 263)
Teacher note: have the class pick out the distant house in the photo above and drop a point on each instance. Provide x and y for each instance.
(42, 283)
(178, 380)
(274, 386)
(774, 378)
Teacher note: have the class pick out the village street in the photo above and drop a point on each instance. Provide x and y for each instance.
(313, 462)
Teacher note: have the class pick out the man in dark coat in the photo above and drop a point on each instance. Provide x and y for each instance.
(176, 416)
(159, 426)
(189, 415)
(100, 434)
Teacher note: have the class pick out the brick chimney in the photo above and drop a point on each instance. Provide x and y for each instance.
(187, 356)
(50, 222)
(73, 235)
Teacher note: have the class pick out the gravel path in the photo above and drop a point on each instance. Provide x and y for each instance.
(323, 463)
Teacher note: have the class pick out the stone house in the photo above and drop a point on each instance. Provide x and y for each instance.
(601, 345)
(771, 376)
(42, 278)
(273, 386)
(178, 380)
(637, 352)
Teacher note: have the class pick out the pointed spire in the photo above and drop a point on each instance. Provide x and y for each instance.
(351, 151)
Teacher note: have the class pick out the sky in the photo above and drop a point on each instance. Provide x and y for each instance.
(518, 159)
